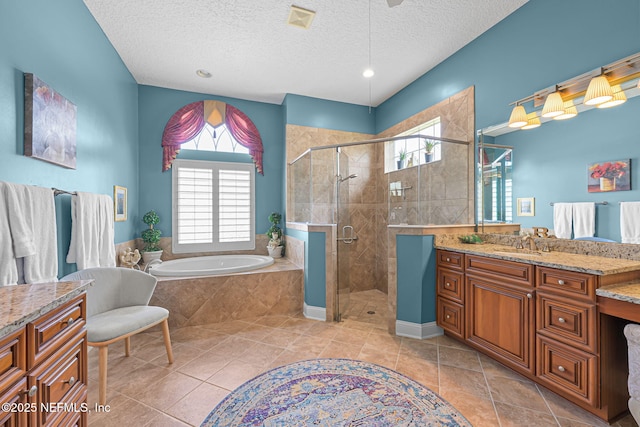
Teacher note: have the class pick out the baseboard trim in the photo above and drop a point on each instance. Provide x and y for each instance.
(417, 330)
(315, 313)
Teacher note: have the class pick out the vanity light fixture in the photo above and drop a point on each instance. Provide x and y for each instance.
(553, 106)
(533, 121)
(518, 117)
(618, 98)
(570, 111)
(599, 91)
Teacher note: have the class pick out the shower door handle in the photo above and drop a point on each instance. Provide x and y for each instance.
(347, 239)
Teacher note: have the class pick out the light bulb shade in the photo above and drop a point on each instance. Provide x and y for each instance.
(570, 111)
(518, 117)
(553, 105)
(533, 121)
(599, 91)
(618, 98)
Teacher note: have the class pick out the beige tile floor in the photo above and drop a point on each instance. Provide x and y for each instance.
(212, 360)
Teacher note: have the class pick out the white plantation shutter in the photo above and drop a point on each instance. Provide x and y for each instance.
(213, 206)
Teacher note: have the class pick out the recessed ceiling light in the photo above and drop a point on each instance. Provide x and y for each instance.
(203, 73)
(368, 73)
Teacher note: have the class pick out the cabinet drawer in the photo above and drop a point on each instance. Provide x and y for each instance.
(14, 395)
(13, 358)
(569, 283)
(570, 371)
(567, 320)
(450, 316)
(514, 272)
(452, 260)
(450, 285)
(62, 380)
(49, 332)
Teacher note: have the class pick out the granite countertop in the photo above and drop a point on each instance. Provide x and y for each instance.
(591, 264)
(629, 292)
(22, 304)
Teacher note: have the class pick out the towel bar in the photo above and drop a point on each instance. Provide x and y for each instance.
(597, 203)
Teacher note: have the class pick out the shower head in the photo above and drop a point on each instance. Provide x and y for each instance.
(353, 175)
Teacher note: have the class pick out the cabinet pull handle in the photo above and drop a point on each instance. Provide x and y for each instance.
(71, 381)
(561, 319)
(561, 368)
(560, 282)
(447, 284)
(529, 296)
(67, 322)
(32, 391)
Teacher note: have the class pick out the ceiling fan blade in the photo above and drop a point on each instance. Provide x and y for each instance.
(393, 3)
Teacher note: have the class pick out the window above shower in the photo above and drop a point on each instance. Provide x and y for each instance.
(410, 152)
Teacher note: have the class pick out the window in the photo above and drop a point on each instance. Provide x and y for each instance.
(213, 206)
(215, 139)
(413, 148)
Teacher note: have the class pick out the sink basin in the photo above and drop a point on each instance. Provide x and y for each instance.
(519, 252)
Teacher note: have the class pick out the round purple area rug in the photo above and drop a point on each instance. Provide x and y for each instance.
(336, 393)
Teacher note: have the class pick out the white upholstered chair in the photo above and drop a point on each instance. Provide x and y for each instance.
(117, 308)
(632, 332)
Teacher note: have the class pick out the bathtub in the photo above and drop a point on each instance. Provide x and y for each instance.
(210, 265)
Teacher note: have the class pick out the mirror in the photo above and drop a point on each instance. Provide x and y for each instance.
(494, 183)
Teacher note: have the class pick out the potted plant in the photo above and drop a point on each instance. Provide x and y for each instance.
(429, 145)
(276, 242)
(151, 237)
(401, 157)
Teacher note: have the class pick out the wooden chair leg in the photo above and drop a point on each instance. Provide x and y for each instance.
(167, 340)
(102, 374)
(127, 346)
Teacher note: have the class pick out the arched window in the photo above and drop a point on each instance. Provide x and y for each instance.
(213, 126)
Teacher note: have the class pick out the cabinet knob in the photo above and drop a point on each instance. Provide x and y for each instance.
(448, 316)
(448, 259)
(560, 282)
(68, 322)
(32, 391)
(561, 368)
(71, 381)
(529, 296)
(561, 319)
(447, 284)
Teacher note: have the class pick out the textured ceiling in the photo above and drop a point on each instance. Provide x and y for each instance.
(253, 54)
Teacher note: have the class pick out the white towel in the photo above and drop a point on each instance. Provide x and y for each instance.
(584, 219)
(562, 217)
(92, 237)
(630, 222)
(9, 208)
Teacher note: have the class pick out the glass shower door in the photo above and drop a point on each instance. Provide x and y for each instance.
(344, 233)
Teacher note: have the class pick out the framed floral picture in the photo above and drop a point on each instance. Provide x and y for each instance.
(120, 203)
(614, 175)
(526, 206)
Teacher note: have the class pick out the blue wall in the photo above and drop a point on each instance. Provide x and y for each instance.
(543, 43)
(315, 267)
(157, 105)
(61, 43)
(320, 113)
(416, 267)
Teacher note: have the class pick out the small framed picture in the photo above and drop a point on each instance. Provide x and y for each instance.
(120, 203)
(526, 206)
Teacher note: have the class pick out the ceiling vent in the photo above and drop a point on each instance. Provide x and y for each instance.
(301, 18)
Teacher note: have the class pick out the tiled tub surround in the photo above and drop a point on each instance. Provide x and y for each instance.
(272, 290)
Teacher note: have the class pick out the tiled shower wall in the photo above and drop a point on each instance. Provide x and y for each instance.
(442, 192)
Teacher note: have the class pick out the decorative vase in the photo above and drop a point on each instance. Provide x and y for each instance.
(428, 157)
(607, 184)
(400, 164)
(149, 256)
(275, 252)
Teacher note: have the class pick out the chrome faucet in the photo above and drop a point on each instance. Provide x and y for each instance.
(151, 264)
(531, 241)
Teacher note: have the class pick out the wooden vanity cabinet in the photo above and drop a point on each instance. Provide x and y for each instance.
(44, 364)
(450, 292)
(499, 310)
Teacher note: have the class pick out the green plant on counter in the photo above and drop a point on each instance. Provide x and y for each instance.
(474, 238)
(151, 236)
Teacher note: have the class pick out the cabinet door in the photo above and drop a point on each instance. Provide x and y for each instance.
(500, 319)
(450, 317)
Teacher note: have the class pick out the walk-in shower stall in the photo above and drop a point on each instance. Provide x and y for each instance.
(365, 187)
